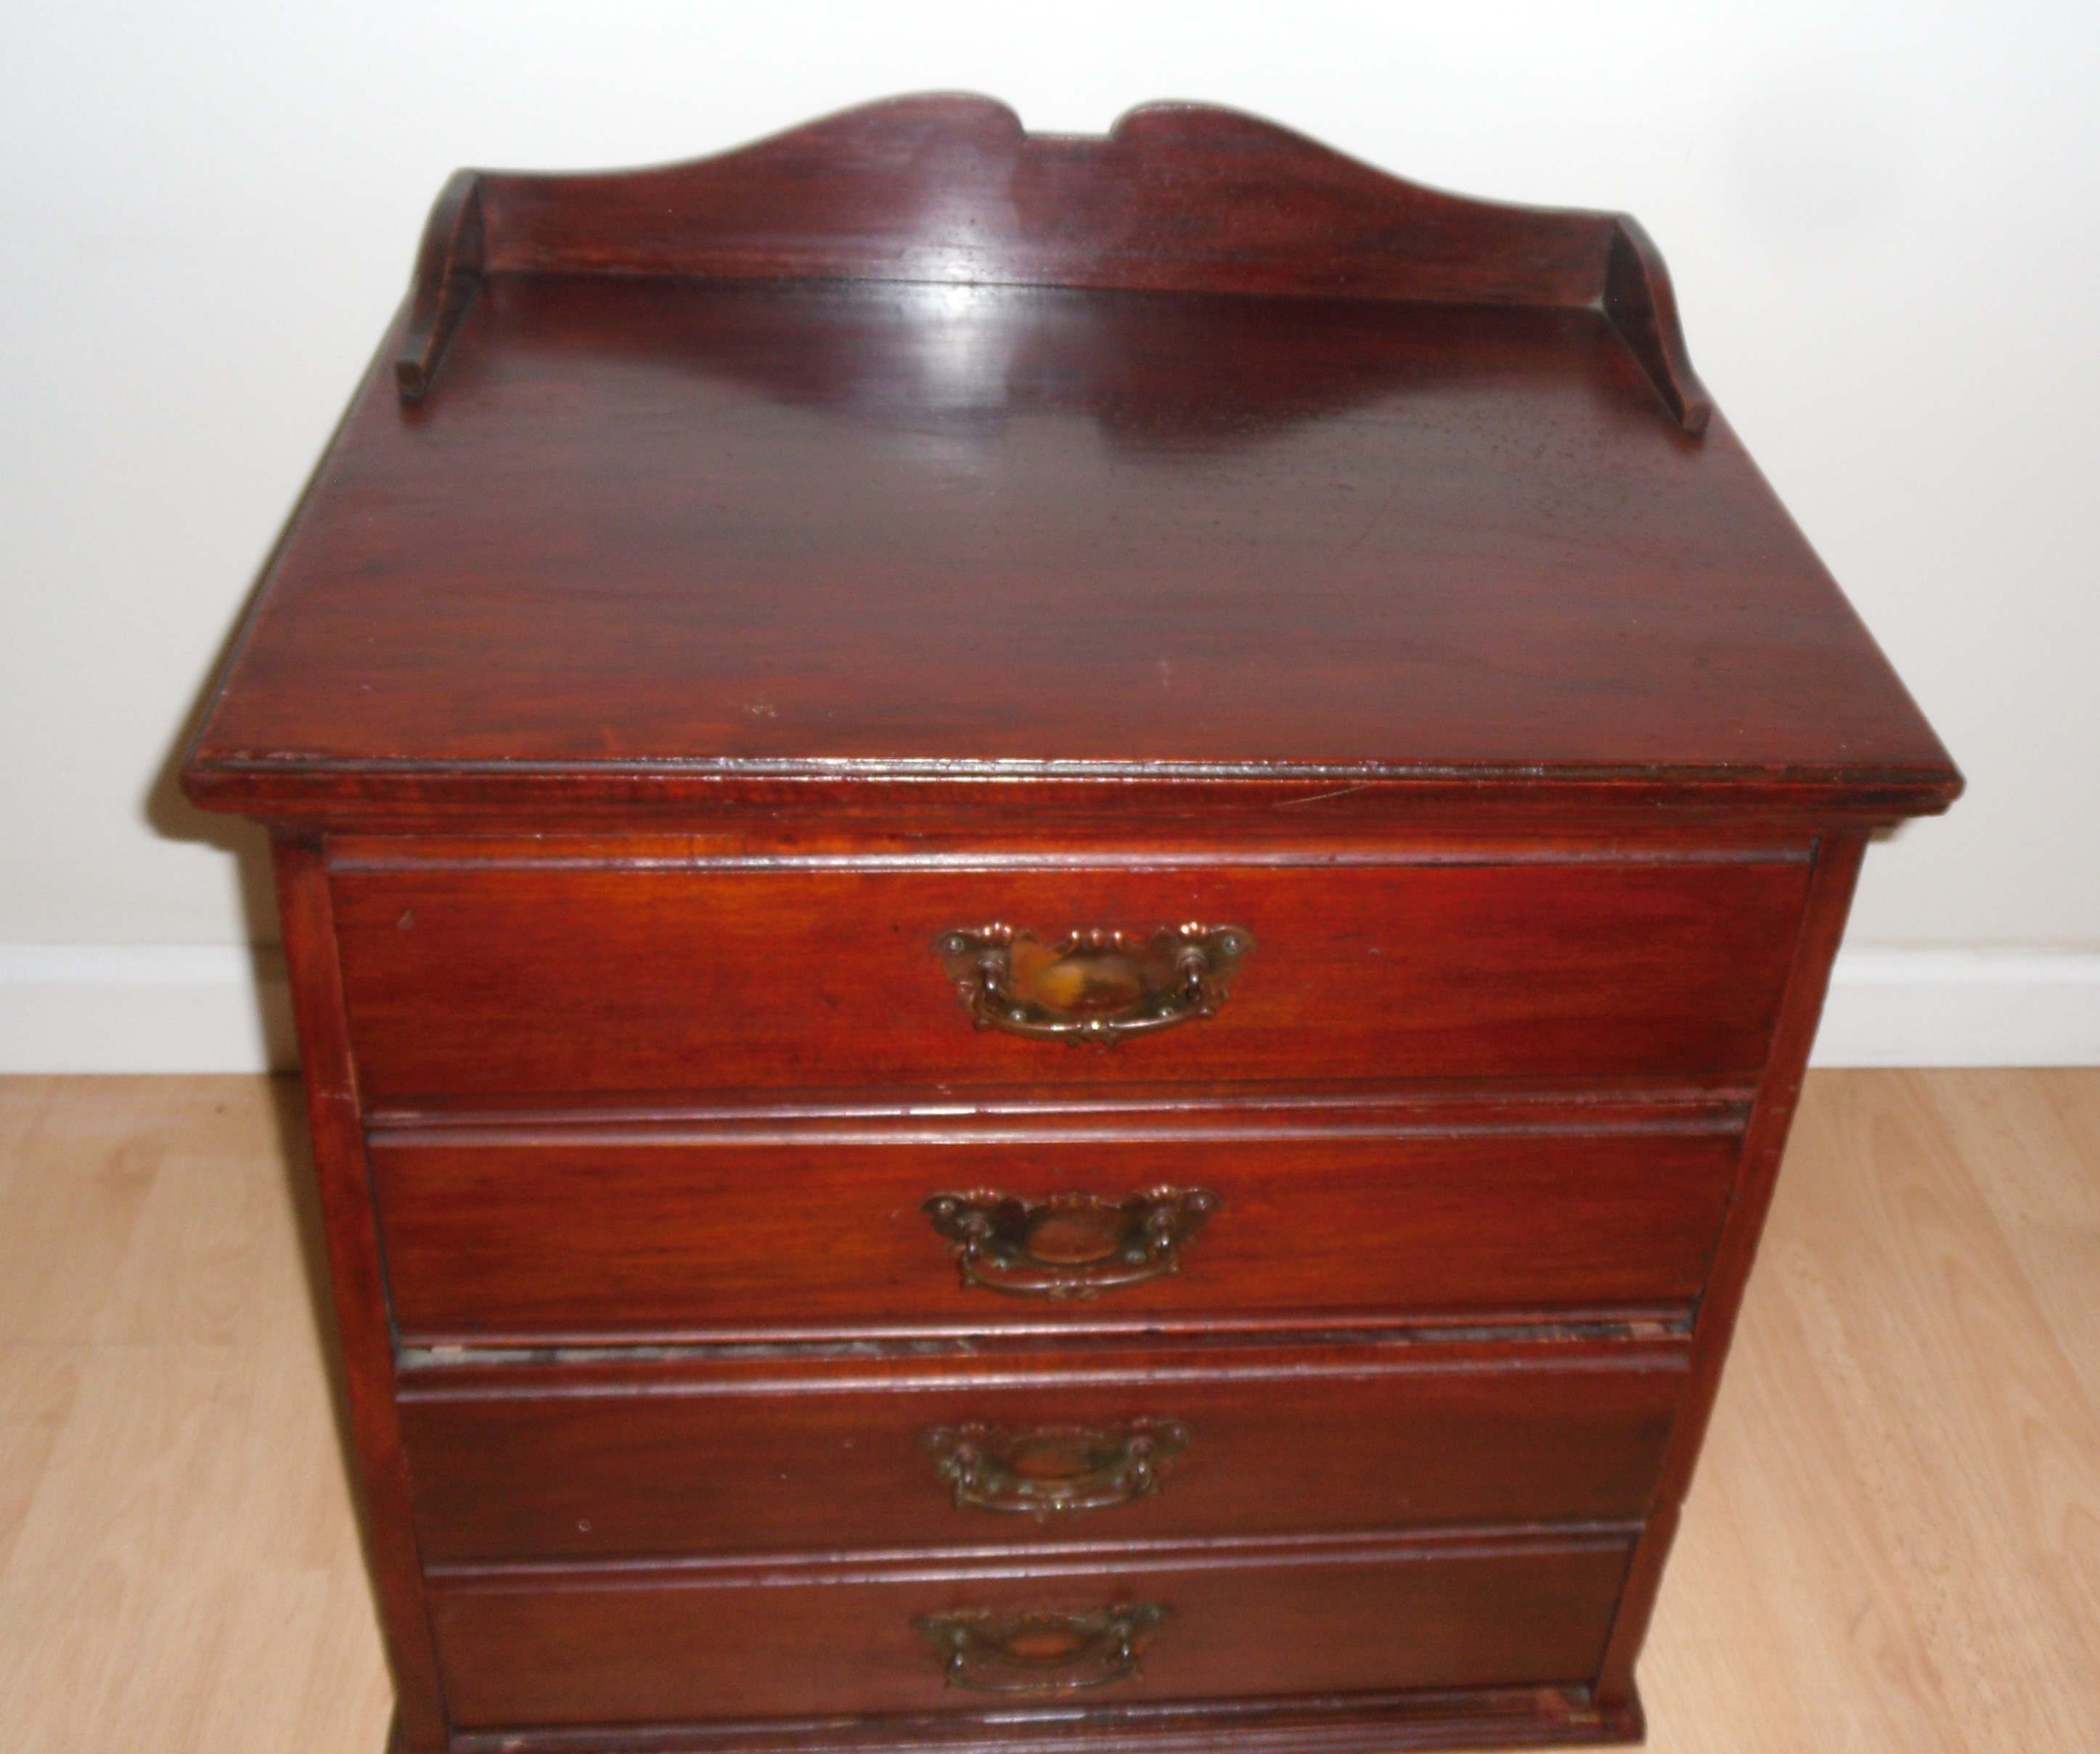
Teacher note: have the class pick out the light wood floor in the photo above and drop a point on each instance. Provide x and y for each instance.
(1895, 1542)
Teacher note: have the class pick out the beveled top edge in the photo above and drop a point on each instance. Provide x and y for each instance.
(350, 791)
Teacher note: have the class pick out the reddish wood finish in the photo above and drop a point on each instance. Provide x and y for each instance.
(1822, 927)
(1356, 582)
(636, 1461)
(1244, 1620)
(494, 982)
(949, 191)
(696, 1235)
(736, 575)
(1074, 528)
(1354, 1723)
(356, 1279)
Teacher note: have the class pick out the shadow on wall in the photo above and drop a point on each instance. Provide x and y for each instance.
(229, 1006)
(169, 814)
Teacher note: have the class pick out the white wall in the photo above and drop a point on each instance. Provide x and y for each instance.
(1881, 215)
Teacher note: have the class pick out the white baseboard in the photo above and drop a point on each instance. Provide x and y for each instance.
(1918, 1008)
(144, 1007)
(177, 1008)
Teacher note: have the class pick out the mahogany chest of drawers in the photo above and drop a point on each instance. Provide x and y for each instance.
(1054, 905)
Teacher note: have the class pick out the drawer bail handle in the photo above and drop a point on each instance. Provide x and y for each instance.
(1096, 985)
(1069, 1246)
(1054, 1469)
(1040, 1653)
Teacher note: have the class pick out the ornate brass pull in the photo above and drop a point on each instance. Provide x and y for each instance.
(1069, 1245)
(1054, 1468)
(1096, 985)
(1040, 1653)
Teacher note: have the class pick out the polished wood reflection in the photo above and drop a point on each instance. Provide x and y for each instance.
(1294, 655)
(1889, 1547)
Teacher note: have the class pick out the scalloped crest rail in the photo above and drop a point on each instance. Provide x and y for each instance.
(1176, 197)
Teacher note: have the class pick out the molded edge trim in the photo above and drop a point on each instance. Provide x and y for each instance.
(343, 792)
(1487, 1718)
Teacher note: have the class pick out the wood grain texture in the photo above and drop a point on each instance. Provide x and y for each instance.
(1243, 1621)
(364, 1332)
(1077, 531)
(1835, 873)
(1889, 1549)
(1178, 197)
(948, 190)
(682, 1238)
(1899, 1508)
(1353, 1723)
(627, 1462)
(1086, 502)
(180, 1568)
(545, 978)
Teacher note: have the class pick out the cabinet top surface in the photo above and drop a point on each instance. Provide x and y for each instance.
(742, 521)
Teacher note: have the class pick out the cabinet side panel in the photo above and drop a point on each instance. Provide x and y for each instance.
(1831, 883)
(358, 1287)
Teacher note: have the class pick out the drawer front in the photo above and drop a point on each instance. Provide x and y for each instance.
(695, 1645)
(625, 1463)
(686, 1240)
(548, 980)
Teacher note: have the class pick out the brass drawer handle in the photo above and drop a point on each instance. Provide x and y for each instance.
(1069, 1245)
(1096, 985)
(1040, 1653)
(1054, 1468)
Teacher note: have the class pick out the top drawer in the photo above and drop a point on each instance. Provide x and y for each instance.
(548, 978)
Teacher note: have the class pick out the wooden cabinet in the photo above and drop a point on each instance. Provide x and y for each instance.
(1054, 904)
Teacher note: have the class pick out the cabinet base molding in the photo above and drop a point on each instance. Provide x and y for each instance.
(1345, 1723)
